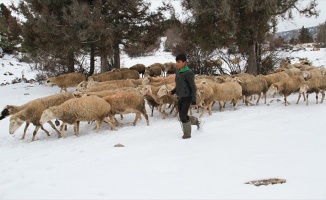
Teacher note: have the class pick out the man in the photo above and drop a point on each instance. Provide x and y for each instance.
(185, 90)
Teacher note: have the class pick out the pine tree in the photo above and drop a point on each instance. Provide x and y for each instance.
(241, 22)
(305, 36)
(321, 35)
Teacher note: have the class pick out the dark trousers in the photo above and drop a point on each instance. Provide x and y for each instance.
(183, 107)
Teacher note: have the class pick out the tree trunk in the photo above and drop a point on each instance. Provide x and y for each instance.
(252, 65)
(71, 63)
(92, 60)
(258, 59)
(116, 56)
(104, 59)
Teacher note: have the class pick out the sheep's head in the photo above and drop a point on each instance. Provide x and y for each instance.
(146, 90)
(146, 80)
(78, 94)
(47, 115)
(164, 90)
(303, 88)
(50, 81)
(305, 74)
(81, 86)
(15, 123)
(272, 90)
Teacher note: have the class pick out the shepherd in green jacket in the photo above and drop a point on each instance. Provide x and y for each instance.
(186, 93)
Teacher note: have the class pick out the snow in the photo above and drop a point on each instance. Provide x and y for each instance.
(234, 147)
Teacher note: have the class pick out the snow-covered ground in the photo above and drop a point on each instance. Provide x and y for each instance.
(235, 146)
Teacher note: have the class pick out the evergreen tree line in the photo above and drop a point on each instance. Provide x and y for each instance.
(56, 32)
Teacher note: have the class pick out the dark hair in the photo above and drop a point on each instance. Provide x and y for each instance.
(181, 57)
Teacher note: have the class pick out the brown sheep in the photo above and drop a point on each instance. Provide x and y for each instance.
(140, 68)
(153, 71)
(66, 80)
(130, 74)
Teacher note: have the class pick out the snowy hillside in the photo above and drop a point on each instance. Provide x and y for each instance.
(235, 146)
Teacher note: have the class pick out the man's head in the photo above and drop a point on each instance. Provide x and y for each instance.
(181, 61)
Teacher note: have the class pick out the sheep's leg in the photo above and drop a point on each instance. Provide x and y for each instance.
(98, 125)
(113, 119)
(221, 104)
(35, 131)
(25, 129)
(257, 102)
(235, 102)
(110, 123)
(285, 101)
(247, 101)
(76, 127)
(322, 96)
(47, 132)
(56, 130)
(316, 97)
(144, 113)
(264, 95)
(307, 101)
(63, 128)
(203, 110)
(299, 96)
(136, 118)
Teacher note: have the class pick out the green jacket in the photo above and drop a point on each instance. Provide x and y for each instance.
(185, 84)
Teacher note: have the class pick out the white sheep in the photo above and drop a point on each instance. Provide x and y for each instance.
(286, 87)
(227, 91)
(314, 85)
(33, 112)
(165, 98)
(308, 74)
(256, 85)
(66, 80)
(205, 97)
(124, 102)
(73, 111)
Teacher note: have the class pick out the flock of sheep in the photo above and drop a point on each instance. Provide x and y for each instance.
(103, 96)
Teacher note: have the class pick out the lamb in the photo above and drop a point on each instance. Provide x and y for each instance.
(150, 95)
(66, 80)
(140, 68)
(76, 110)
(286, 87)
(33, 112)
(125, 102)
(316, 85)
(256, 85)
(205, 97)
(165, 98)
